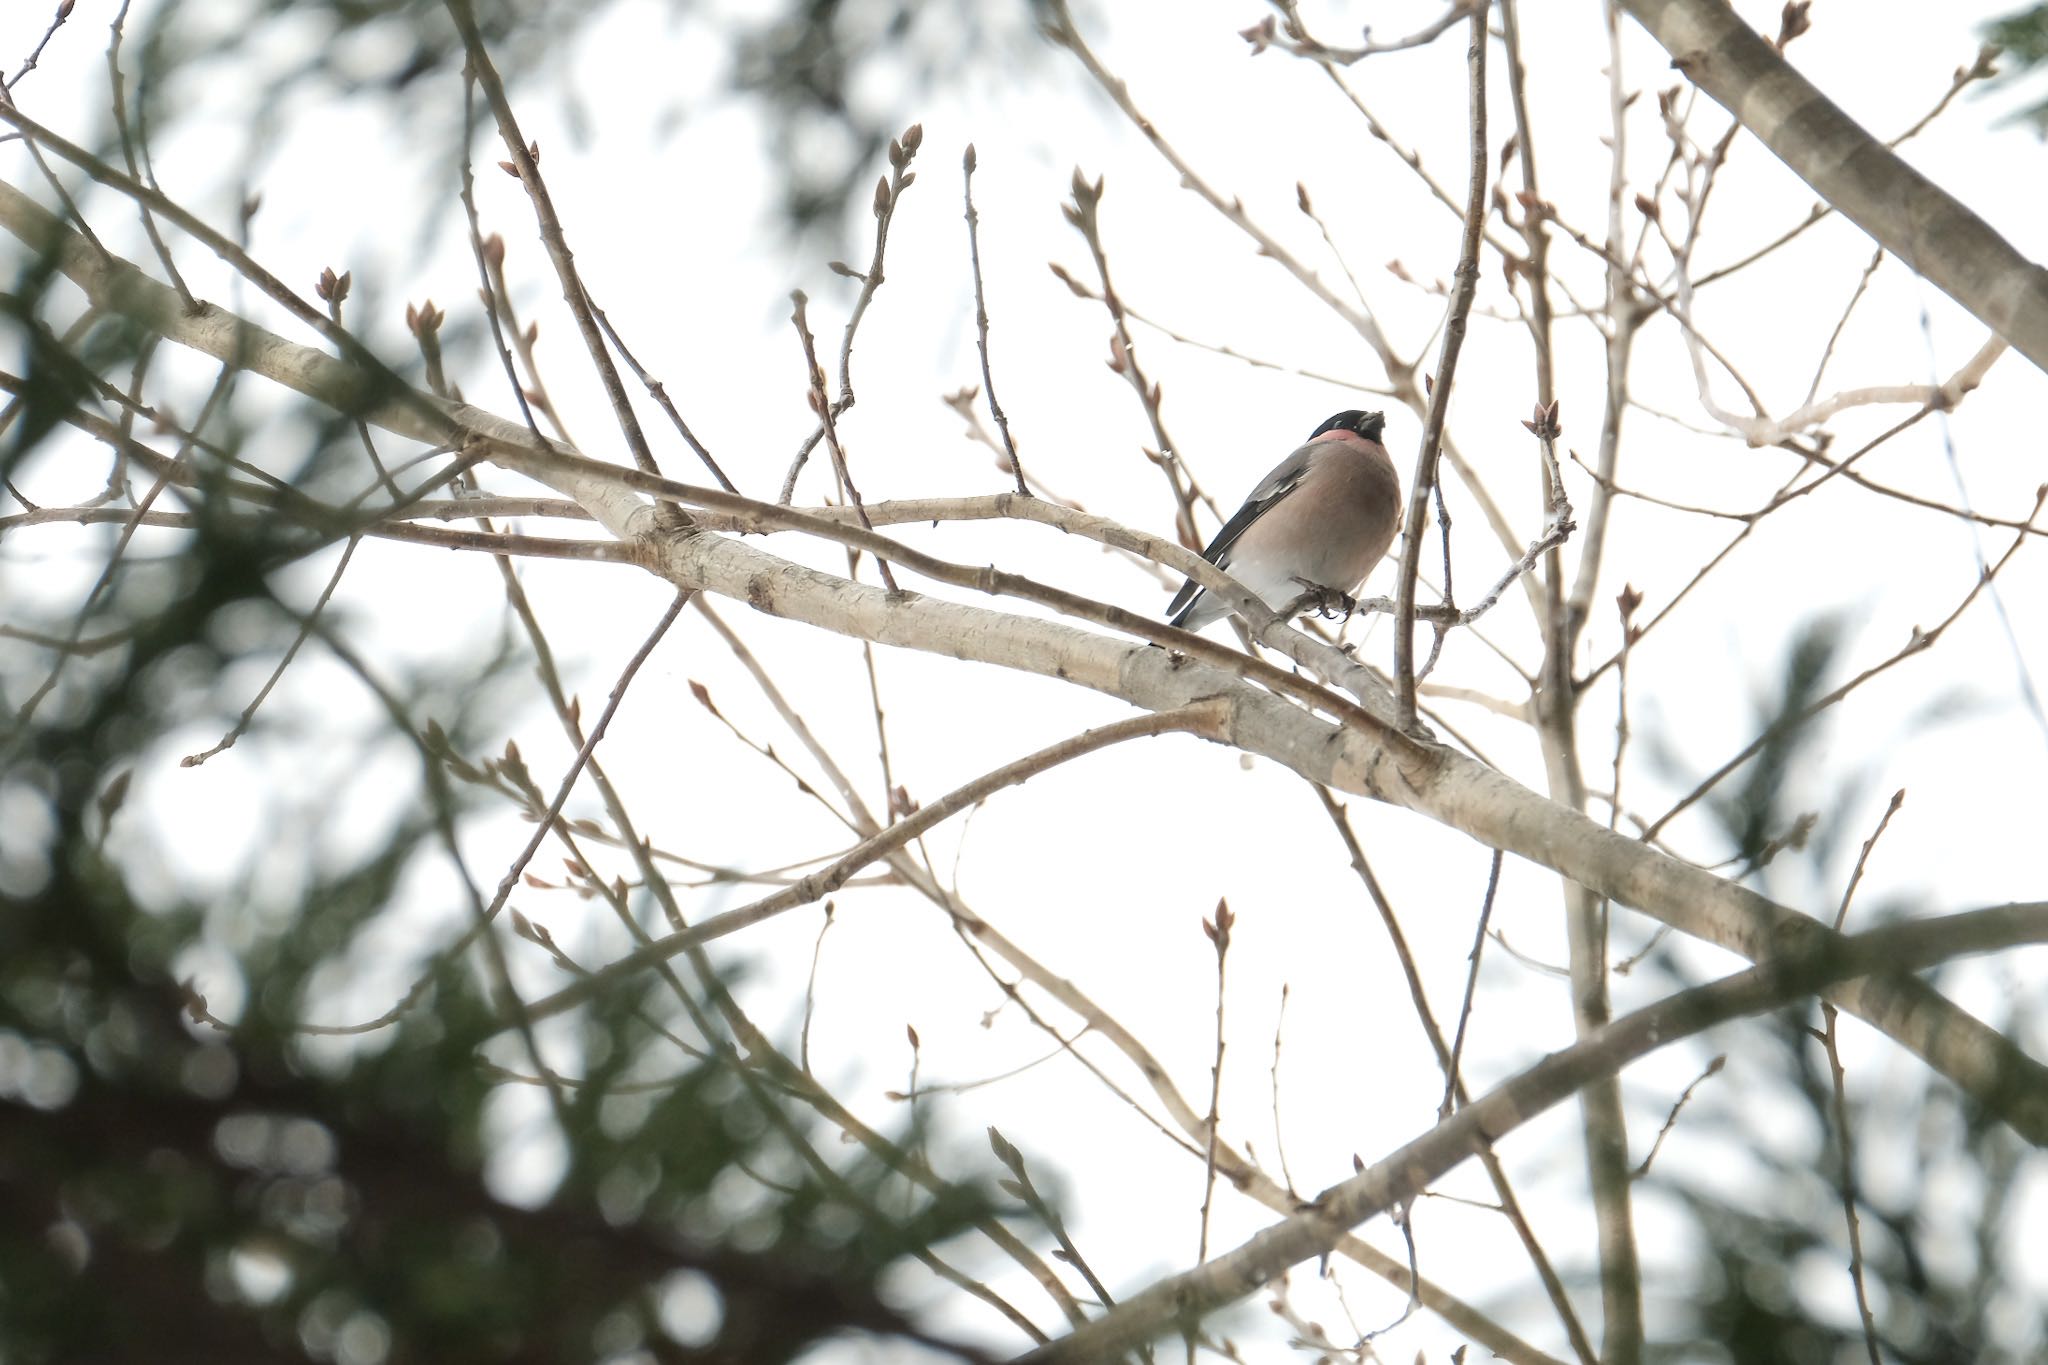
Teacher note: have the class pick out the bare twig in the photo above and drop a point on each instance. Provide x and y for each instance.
(1510, 1204)
(1845, 1142)
(1678, 1107)
(1289, 35)
(825, 881)
(1982, 68)
(1451, 1082)
(828, 422)
(1918, 643)
(888, 195)
(28, 63)
(525, 162)
(988, 378)
(1462, 293)
(1084, 214)
(1218, 931)
(117, 86)
(242, 722)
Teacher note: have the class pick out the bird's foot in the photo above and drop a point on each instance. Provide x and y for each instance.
(1327, 602)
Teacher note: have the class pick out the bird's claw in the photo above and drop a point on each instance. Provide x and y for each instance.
(1327, 602)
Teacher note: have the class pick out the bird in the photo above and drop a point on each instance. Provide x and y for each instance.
(1315, 526)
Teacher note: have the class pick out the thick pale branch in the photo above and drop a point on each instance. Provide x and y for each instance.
(1867, 182)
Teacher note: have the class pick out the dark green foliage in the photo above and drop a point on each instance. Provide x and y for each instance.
(149, 1159)
(2024, 36)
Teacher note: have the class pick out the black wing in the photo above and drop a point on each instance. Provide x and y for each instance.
(1270, 491)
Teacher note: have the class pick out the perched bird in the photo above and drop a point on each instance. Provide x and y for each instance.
(1316, 525)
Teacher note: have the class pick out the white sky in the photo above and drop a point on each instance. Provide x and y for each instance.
(1105, 868)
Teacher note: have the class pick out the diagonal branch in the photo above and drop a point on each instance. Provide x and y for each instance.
(1868, 183)
(1180, 1300)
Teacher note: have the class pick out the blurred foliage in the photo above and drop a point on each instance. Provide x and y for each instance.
(1936, 1177)
(838, 77)
(2024, 36)
(1773, 1273)
(833, 79)
(177, 1189)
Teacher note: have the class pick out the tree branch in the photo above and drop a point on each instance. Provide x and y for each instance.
(1868, 183)
(1182, 1299)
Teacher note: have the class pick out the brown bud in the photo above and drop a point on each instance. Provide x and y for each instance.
(967, 159)
(1793, 20)
(1626, 602)
(1085, 194)
(881, 196)
(1544, 424)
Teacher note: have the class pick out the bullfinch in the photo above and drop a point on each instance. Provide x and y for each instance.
(1316, 525)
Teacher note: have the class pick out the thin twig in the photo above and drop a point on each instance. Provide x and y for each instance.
(1671, 1120)
(1084, 213)
(29, 62)
(1296, 39)
(888, 195)
(1918, 643)
(828, 420)
(988, 378)
(1197, 718)
(526, 165)
(242, 723)
(1510, 1205)
(1982, 68)
(117, 87)
(1279, 1132)
(1451, 1085)
(1466, 286)
(1218, 932)
(1845, 1142)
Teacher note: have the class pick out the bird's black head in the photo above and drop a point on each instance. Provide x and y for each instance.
(1367, 424)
